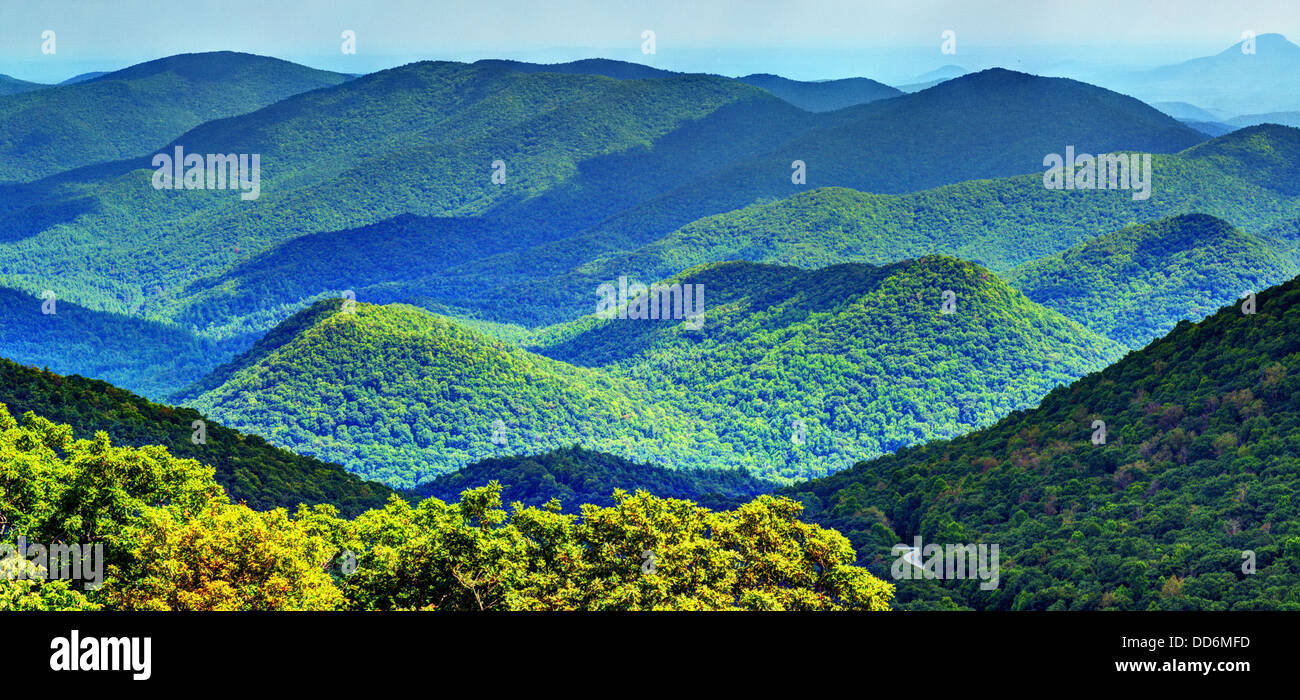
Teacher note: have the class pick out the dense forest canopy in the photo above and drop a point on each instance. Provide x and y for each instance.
(1195, 477)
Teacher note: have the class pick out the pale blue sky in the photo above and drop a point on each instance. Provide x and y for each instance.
(890, 40)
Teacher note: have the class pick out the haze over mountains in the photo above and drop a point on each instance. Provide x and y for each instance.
(1232, 81)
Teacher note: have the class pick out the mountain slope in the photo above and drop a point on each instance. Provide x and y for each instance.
(1196, 477)
(1231, 82)
(986, 124)
(145, 356)
(619, 70)
(1185, 111)
(13, 86)
(931, 78)
(400, 395)
(1248, 177)
(83, 77)
(594, 166)
(132, 111)
(250, 469)
(863, 358)
(1135, 284)
(576, 477)
(420, 139)
(976, 126)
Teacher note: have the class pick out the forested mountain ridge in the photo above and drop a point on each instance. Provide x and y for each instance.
(420, 139)
(593, 167)
(1135, 284)
(814, 96)
(865, 357)
(400, 395)
(10, 85)
(576, 476)
(1245, 177)
(1195, 477)
(265, 477)
(822, 95)
(152, 358)
(250, 469)
(132, 111)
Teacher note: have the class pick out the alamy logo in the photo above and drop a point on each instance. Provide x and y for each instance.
(953, 561)
(658, 301)
(213, 171)
(1108, 171)
(75, 562)
(77, 653)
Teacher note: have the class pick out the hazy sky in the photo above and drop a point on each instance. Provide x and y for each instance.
(809, 39)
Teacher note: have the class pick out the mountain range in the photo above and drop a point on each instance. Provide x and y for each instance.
(408, 199)
(442, 291)
(865, 358)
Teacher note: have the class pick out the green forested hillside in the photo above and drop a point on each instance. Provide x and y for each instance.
(135, 110)
(863, 356)
(1196, 477)
(400, 395)
(1137, 283)
(576, 476)
(814, 96)
(416, 140)
(247, 467)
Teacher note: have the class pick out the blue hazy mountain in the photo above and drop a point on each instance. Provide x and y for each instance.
(1230, 82)
(83, 77)
(14, 86)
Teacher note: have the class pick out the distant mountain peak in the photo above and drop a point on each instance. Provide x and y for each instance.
(204, 65)
(1264, 44)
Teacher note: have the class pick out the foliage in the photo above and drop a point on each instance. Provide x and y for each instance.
(1135, 284)
(476, 556)
(173, 541)
(250, 469)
